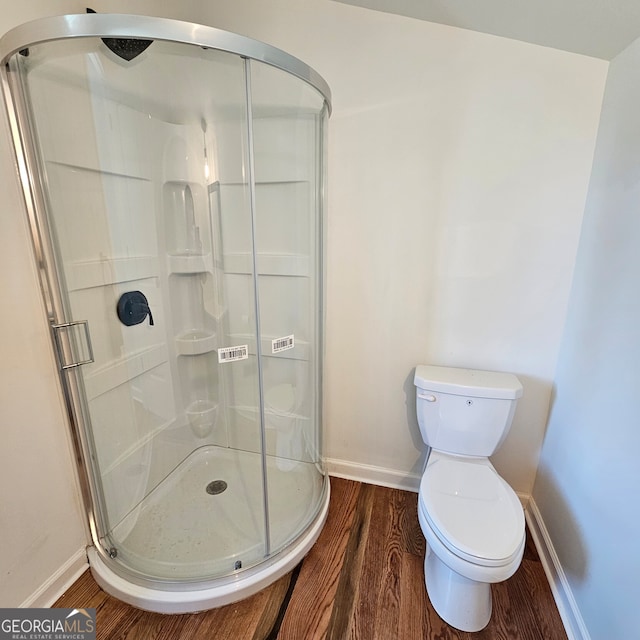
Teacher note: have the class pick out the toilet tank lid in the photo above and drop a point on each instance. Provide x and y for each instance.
(468, 382)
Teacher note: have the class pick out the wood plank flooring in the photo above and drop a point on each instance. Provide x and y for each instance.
(363, 580)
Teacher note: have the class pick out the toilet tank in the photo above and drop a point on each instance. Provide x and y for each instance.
(464, 411)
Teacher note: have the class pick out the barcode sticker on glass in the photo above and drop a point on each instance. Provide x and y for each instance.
(231, 354)
(282, 344)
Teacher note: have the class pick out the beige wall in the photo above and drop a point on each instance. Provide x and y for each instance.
(40, 512)
(458, 171)
(459, 165)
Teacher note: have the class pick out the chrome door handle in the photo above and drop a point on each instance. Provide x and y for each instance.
(66, 338)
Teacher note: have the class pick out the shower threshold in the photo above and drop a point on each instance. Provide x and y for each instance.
(182, 536)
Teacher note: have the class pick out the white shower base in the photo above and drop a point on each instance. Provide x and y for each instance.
(180, 536)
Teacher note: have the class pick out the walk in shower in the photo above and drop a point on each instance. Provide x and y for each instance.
(174, 181)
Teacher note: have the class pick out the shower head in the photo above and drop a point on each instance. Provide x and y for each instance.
(125, 48)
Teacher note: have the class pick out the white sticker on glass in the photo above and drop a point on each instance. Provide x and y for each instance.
(282, 344)
(231, 354)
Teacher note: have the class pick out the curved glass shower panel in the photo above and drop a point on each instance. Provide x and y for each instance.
(288, 119)
(144, 166)
(174, 184)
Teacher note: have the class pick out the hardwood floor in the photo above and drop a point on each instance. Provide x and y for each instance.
(363, 580)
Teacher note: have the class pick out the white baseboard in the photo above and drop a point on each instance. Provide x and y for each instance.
(59, 582)
(567, 606)
(372, 475)
(384, 477)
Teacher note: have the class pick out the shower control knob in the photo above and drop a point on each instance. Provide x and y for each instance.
(133, 308)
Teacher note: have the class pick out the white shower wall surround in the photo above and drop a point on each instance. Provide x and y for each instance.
(184, 187)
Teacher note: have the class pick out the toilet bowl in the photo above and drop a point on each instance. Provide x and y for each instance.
(471, 519)
(474, 527)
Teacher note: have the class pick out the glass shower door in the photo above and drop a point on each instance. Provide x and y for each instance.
(288, 120)
(146, 167)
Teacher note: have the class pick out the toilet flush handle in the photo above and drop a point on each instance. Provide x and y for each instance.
(429, 397)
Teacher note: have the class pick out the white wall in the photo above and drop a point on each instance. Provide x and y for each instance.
(587, 484)
(458, 171)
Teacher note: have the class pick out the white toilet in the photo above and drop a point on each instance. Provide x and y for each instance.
(471, 518)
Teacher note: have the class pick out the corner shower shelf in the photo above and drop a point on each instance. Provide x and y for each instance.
(301, 351)
(195, 343)
(201, 416)
(260, 183)
(274, 264)
(190, 263)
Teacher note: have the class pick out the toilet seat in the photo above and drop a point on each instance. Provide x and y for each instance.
(472, 510)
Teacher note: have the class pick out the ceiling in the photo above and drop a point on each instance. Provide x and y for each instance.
(598, 28)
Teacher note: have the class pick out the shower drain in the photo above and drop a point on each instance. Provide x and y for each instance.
(216, 487)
